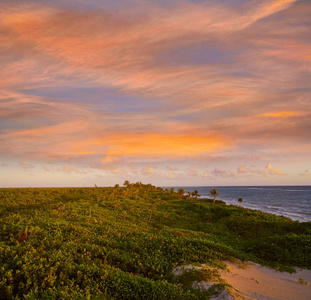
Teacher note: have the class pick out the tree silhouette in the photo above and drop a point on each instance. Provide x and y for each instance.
(240, 201)
(126, 183)
(214, 193)
(195, 194)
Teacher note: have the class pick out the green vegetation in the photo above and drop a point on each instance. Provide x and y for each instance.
(124, 242)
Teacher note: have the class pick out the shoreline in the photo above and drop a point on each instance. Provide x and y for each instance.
(267, 211)
(290, 201)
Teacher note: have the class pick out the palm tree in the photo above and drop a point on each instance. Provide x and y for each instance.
(240, 201)
(196, 194)
(214, 193)
(189, 194)
(180, 192)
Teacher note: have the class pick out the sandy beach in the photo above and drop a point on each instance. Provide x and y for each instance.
(257, 282)
(251, 281)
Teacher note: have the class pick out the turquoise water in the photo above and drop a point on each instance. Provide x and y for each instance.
(290, 201)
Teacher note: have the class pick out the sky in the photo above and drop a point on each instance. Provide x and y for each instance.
(173, 93)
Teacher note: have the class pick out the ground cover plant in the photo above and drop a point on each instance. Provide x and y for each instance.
(123, 242)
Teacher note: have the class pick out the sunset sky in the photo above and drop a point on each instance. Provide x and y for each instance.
(168, 92)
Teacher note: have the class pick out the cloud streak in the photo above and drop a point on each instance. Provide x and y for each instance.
(148, 83)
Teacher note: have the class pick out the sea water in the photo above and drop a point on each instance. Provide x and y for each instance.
(293, 202)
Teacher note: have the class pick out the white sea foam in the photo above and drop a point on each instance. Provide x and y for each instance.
(290, 201)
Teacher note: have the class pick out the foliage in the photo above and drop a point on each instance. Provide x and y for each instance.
(105, 243)
(214, 193)
(195, 194)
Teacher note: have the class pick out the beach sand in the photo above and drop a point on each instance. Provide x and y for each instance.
(253, 281)
(257, 282)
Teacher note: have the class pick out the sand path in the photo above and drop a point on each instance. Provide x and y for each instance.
(257, 282)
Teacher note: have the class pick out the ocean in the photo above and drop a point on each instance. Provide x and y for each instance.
(293, 202)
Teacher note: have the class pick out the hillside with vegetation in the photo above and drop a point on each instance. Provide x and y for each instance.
(124, 242)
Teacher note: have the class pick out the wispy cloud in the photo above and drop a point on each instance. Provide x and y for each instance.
(26, 166)
(70, 170)
(174, 82)
(283, 114)
(305, 173)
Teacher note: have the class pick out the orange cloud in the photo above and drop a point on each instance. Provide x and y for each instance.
(275, 171)
(235, 78)
(85, 138)
(283, 114)
(159, 145)
(274, 6)
(46, 142)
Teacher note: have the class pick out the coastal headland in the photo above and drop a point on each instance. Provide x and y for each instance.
(127, 243)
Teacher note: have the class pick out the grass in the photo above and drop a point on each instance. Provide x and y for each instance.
(124, 242)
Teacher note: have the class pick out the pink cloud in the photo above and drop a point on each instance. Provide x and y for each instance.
(26, 166)
(224, 173)
(71, 170)
(227, 82)
(147, 170)
(242, 169)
